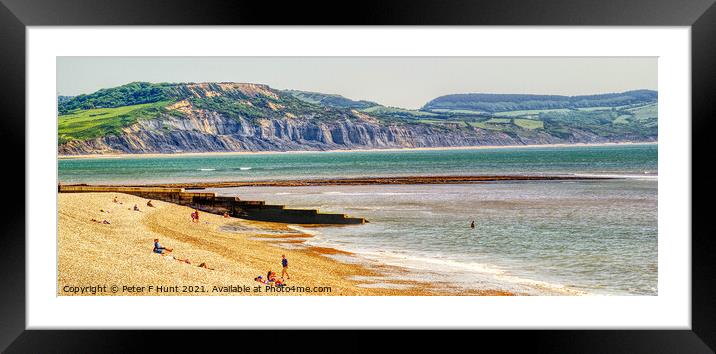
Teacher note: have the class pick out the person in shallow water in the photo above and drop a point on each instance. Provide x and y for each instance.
(472, 224)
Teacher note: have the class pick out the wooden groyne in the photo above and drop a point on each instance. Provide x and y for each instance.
(234, 206)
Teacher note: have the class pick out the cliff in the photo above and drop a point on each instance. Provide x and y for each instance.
(171, 118)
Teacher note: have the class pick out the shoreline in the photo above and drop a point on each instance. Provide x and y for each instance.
(358, 181)
(438, 148)
(91, 252)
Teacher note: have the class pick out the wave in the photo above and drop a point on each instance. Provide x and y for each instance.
(370, 193)
(244, 168)
(304, 230)
(645, 176)
(206, 169)
(463, 274)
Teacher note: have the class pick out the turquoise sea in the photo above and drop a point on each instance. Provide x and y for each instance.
(539, 237)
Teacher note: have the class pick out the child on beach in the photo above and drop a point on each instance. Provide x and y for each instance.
(158, 248)
(284, 265)
(195, 216)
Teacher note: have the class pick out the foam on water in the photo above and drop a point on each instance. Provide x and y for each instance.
(645, 176)
(468, 275)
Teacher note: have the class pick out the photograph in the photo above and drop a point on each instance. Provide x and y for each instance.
(357, 176)
(527, 175)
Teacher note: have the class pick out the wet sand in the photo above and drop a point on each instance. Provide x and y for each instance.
(357, 181)
(120, 253)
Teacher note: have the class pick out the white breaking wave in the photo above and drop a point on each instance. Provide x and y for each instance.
(468, 273)
(369, 193)
(206, 169)
(312, 232)
(244, 168)
(645, 177)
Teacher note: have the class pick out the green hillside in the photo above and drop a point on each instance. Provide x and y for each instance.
(628, 116)
(486, 102)
(91, 123)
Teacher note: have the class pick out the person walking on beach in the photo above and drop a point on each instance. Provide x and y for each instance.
(284, 264)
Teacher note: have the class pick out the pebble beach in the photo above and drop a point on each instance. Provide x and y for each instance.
(91, 252)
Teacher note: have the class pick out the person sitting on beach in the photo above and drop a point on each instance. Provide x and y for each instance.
(260, 279)
(149, 204)
(226, 215)
(203, 265)
(279, 283)
(271, 276)
(158, 248)
(115, 200)
(136, 208)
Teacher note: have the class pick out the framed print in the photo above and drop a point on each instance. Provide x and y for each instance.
(452, 171)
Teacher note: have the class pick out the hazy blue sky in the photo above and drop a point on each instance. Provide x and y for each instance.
(407, 82)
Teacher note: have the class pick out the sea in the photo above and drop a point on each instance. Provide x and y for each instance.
(586, 237)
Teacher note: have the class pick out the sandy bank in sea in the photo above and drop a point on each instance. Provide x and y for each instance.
(361, 181)
(92, 253)
(229, 153)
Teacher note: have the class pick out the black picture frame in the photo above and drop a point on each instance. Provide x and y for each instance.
(699, 15)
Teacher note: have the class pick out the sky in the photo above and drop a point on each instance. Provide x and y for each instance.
(406, 82)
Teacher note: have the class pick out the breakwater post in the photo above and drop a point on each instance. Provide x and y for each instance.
(234, 206)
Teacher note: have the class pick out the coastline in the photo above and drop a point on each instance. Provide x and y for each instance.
(90, 253)
(232, 153)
